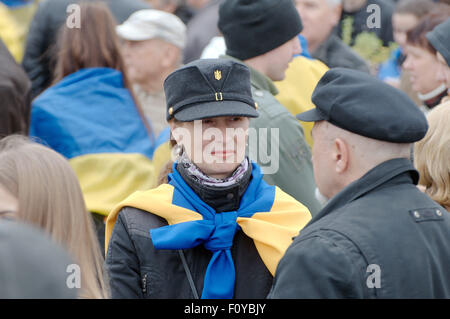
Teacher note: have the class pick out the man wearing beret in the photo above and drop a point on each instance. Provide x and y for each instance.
(263, 35)
(378, 236)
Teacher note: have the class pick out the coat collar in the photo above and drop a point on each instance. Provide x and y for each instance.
(321, 52)
(384, 173)
(222, 199)
(258, 80)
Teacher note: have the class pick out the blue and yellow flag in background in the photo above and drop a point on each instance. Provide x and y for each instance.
(92, 120)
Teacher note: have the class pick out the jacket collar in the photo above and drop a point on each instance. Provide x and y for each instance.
(258, 80)
(395, 170)
(321, 52)
(221, 199)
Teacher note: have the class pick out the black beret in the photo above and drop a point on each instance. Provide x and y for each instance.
(360, 103)
(254, 27)
(439, 38)
(209, 88)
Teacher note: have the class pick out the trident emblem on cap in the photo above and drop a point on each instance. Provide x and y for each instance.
(217, 75)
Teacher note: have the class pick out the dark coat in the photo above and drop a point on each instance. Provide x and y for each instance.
(42, 35)
(137, 270)
(366, 13)
(15, 96)
(378, 238)
(335, 53)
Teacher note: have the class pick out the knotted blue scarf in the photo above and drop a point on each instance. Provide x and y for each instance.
(216, 231)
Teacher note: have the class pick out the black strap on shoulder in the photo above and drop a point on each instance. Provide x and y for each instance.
(188, 273)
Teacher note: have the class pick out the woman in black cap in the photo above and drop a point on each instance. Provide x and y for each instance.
(216, 229)
(421, 61)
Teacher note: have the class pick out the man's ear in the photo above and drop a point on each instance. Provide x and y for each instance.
(341, 155)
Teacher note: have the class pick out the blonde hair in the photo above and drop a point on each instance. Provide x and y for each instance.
(49, 197)
(432, 156)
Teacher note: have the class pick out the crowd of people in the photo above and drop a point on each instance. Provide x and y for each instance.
(223, 149)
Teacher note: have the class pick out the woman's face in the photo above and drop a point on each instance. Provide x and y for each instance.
(423, 67)
(8, 204)
(216, 145)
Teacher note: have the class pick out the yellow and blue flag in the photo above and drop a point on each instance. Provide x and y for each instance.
(91, 118)
(266, 214)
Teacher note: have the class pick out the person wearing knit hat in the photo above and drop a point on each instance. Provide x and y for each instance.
(439, 38)
(262, 34)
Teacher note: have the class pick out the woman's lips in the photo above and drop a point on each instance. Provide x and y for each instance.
(223, 155)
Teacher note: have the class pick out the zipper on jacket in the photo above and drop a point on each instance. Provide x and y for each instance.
(144, 284)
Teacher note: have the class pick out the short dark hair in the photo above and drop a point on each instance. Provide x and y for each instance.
(416, 36)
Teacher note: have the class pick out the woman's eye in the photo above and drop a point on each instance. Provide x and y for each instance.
(207, 121)
(236, 119)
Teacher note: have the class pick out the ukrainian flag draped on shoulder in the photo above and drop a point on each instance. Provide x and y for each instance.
(91, 119)
(266, 214)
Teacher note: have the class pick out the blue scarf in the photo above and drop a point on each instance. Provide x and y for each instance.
(215, 231)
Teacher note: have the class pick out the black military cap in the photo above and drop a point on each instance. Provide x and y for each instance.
(364, 105)
(209, 88)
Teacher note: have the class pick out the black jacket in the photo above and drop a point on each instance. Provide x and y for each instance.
(137, 270)
(378, 238)
(15, 96)
(335, 53)
(40, 45)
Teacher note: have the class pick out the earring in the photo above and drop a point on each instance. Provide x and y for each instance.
(178, 149)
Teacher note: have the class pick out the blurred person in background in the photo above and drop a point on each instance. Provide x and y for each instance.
(432, 154)
(357, 11)
(421, 61)
(406, 16)
(32, 266)
(49, 197)
(319, 18)
(15, 95)
(40, 56)
(152, 44)
(176, 7)
(201, 28)
(91, 116)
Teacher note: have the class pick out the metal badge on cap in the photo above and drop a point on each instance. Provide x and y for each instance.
(217, 74)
